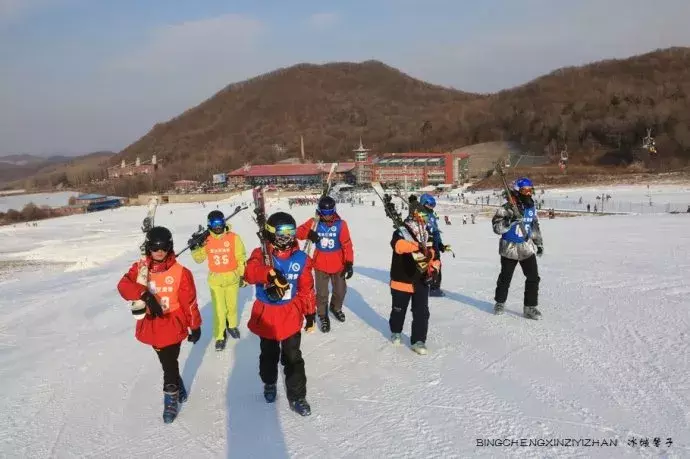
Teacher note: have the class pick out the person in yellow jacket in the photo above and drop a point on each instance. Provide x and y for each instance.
(226, 258)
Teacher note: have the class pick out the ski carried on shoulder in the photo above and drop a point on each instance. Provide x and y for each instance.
(309, 246)
(399, 224)
(509, 195)
(273, 291)
(201, 234)
(138, 306)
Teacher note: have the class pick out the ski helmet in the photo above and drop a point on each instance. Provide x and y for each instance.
(158, 238)
(523, 186)
(427, 200)
(326, 207)
(280, 230)
(216, 220)
(412, 198)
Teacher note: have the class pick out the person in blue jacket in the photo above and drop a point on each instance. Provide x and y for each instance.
(429, 203)
(521, 242)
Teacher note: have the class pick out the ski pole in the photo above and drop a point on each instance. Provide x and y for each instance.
(237, 210)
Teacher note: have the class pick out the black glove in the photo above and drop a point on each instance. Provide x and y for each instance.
(347, 272)
(197, 240)
(540, 250)
(309, 326)
(313, 236)
(152, 304)
(277, 285)
(194, 336)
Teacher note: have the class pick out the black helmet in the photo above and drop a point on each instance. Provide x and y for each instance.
(158, 238)
(280, 230)
(215, 220)
(412, 198)
(326, 206)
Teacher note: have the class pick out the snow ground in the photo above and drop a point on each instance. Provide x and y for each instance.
(610, 360)
(18, 202)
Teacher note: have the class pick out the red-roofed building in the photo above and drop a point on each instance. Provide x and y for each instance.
(421, 169)
(290, 174)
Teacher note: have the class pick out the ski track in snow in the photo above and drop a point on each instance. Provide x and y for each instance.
(609, 360)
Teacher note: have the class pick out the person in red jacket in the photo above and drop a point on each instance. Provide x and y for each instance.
(169, 299)
(284, 296)
(333, 259)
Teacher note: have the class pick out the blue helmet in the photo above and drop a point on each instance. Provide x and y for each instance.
(523, 185)
(427, 200)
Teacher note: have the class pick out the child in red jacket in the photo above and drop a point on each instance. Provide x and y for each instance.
(284, 296)
(333, 259)
(171, 308)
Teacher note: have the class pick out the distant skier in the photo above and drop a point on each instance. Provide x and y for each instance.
(514, 247)
(278, 322)
(171, 308)
(226, 257)
(473, 217)
(428, 203)
(333, 260)
(407, 283)
(464, 219)
(447, 219)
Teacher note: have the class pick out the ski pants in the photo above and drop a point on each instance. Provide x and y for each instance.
(224, 299)
(290, 356)
(171, 368)
(531, 272)
(420, 311)
(321, 281)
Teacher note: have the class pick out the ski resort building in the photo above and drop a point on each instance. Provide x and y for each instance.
(421, 169)
(309, 174)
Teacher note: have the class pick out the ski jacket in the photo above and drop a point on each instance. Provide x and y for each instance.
(226, 258)
(335, 248)
(281, 319)
(404, 273)
(183, 312)
(513, 244)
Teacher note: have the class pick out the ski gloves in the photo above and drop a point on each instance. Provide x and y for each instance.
(276, 286)
(152, 304)
(194, 336)
(197, 240)
(540, 250)
(347, 272)
(313, 236)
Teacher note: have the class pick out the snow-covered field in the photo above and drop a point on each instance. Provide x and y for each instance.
(18, 202)
(610, 361)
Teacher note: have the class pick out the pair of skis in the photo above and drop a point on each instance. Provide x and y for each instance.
(421, 257)
(138, 306)
(201, 234)
(272, 291)
(509, 196)
(308, 246)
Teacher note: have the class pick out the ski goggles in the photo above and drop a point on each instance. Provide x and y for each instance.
(526, 191)
(326, 212)
(158, 245)
(283, 230)
(217, 223)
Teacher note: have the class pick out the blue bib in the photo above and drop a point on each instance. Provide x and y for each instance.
(292, 267)
(330, 236)
(514, 234)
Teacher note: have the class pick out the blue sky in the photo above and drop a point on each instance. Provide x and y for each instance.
(84, 75)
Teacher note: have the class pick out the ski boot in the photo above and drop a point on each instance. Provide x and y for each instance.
(531, 312)
(340, 315)
(301, 407)
(325, 323)
(437, 292)
(220, 344)
(182, 397)
(499, 308)
(419, 347)
(270, 392)
(171, 400)
(396, 338)
(234, 332)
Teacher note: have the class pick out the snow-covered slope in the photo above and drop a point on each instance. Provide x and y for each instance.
(609, 361)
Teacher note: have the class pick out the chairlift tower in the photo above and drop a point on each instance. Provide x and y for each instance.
(361, 158)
